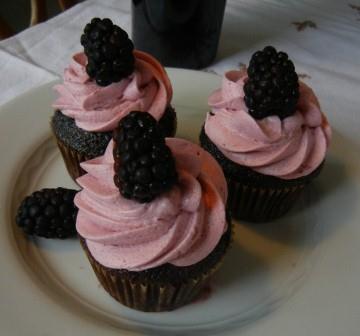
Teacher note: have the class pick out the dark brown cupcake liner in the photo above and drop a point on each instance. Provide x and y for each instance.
(147, 293)
(261, 204)
(72, 159)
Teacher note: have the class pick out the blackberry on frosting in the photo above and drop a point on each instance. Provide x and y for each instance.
(144, 165)
(109, 51)
(272, 87)
(48, 213)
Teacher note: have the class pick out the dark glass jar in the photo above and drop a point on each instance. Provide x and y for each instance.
(180, 33)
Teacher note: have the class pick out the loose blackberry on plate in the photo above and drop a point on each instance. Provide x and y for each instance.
(48, 213)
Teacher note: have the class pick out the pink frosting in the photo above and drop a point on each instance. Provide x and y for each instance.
(180, 227)
(97, 108)
(288, 148)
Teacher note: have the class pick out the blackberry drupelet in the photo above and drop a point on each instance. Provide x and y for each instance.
(109, 51)
(48, 213)
(272, 87)
(144, 165)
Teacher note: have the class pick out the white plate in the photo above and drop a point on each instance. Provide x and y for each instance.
(297, 276)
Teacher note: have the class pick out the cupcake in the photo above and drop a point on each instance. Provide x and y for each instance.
(268, 133)
(152, 218)
(101, 86)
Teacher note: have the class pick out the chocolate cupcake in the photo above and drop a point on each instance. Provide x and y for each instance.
(267, 132)
(101, 86)
(152, 218)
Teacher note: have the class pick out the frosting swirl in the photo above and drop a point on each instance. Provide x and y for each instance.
(288, 148)
(180, 227)
(99, 109)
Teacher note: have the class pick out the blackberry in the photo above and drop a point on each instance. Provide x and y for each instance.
(144, 165)
(272, 87)
(109, 51)
(48, 213)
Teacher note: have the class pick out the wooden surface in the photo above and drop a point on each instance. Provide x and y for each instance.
(38, 14)
(5, 29)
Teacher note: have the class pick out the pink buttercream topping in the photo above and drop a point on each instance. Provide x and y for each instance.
(97, 108)
(288, 148)
(180, 227)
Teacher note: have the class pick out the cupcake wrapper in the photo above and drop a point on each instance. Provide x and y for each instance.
(72, 159)
(146, 295)
(261, 204)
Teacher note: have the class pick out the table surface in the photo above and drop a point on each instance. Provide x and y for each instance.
(322, 37)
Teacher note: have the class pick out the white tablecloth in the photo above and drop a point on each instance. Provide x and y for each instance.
(326, 51)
